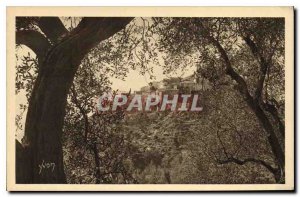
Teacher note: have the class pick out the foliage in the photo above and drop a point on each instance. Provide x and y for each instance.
(179, 147)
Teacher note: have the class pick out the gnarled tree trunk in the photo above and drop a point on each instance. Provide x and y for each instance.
(40, 159)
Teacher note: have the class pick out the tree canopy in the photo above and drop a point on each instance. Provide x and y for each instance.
(238, 138)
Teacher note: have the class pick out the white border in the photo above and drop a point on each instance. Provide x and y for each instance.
(103, 3)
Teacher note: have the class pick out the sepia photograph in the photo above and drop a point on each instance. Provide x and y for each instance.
(150, 99)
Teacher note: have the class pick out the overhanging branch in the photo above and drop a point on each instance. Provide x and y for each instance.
(34, 40)
(52, 28)
(97, 29)
(88, 34)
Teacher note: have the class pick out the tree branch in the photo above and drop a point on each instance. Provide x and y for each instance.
(88, 34)
(274, 112)
(243, 88)
(97, 29)
(248, 160)
(263, 66)
(52, 27)
(222, 144)
(82, 111)
(254, 105)
(34, 40)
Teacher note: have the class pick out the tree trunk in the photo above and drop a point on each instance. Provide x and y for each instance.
(40, 159)
(258, 111)
(97, 164)
(44, 121)
(272, 139)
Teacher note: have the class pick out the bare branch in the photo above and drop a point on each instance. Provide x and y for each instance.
(248, 160)
(222, 144)
(82, 111)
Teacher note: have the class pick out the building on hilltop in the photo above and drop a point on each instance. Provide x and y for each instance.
(176, 85)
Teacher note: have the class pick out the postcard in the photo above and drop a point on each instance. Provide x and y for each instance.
(150, 98)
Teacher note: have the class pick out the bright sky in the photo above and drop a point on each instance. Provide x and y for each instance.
(135, 80)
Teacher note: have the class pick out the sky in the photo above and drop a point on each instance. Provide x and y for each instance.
(135, 80)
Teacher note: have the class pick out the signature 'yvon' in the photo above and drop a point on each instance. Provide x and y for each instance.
(46, 165)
